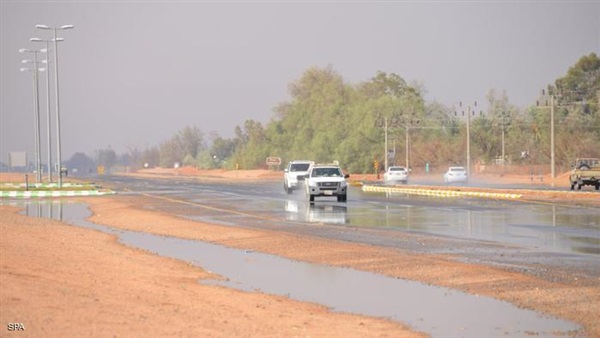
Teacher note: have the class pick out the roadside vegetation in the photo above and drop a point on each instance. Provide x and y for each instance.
(327, 118)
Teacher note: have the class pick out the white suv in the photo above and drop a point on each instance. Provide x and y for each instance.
(326, 180)
(294, 174)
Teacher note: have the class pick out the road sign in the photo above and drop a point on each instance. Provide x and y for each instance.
(273, 160)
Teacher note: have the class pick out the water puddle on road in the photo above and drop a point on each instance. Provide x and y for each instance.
(434, 310)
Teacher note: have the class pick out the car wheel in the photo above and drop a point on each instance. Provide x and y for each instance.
(311, 198)
(584, 167)
(572, 186)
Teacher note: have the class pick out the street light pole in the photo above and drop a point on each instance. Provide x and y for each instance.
(36, 109)
(57, 99)
(48, 117)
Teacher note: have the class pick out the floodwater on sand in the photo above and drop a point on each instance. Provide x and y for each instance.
(434, 310)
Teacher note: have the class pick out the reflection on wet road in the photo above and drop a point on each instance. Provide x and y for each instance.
(549, 228)
(522, 235)
(434, 310)
(530, 227)
(537, 227)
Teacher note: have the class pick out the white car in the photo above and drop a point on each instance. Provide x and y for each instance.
(395, 174)
(326, 180)
(456, 174)
(294, 174)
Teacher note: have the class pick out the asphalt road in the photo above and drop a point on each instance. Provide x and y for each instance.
(524, 236)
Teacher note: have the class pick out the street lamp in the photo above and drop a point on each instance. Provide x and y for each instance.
(48, 131)
(55, 40)
(36, 107)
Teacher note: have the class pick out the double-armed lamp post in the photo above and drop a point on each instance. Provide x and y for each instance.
(48, 115)
(55, 40)
(36, 107)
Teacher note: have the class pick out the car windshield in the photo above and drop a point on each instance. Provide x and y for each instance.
(457, 170)
(299, 166)
(397, 169)
(589, 162)
(327, 172)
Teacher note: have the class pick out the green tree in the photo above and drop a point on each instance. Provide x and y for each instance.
(222, 148)
(252, 146)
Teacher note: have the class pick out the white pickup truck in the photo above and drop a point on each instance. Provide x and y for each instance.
(326, 180)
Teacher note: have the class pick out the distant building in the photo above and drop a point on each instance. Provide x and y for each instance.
(17, 161)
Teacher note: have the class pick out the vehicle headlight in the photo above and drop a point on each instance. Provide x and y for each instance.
(311, 183)
(344, 184)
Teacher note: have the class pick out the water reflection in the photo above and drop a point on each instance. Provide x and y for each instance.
(52, 209)
(316, 212)
(437, 311)
(551, 228)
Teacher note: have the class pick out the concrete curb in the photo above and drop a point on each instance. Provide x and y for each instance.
(62, 193)
(440, 193)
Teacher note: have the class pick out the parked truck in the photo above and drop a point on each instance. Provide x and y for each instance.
(586, 171)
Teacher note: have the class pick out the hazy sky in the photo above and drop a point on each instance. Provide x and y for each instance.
(133, 73)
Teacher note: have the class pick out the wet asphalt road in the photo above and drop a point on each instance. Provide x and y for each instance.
(540, 239)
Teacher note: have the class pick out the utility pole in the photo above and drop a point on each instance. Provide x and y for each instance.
(385, 153)
(469, 112)
(386, 122)
(469, 141)
(409, 123)
(504, 122)
(552, 160)
(407, 148)
(552, 148)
